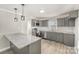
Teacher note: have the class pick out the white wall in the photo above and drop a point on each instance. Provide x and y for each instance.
(77, 34)
(27, 28)
(7, 25)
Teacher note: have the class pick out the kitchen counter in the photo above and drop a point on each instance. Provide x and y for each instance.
(61, 30)
(21, 40)
(67, 30)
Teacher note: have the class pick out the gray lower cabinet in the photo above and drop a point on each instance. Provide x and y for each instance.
(34, 48)
(60, 37)
(69, 39)
(51, 36)
(24, 50)
(55, 36)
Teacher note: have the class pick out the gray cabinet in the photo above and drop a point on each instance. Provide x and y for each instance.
(60, 37)
(52, 36)
(73, 13)
(24, 50)
(33, 23)
(69, 39)
(72, 22)
(44, 23)
(60, 22)
(34, 48)
(40, 23)
(66, 22)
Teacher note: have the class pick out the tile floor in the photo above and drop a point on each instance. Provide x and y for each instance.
(50, 47)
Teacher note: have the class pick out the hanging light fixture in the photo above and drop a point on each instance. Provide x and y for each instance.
(22, 16)
(15, 18)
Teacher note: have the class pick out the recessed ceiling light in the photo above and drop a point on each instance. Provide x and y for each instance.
(42, 11)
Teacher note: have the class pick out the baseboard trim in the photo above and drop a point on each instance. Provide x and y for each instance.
(4, 49)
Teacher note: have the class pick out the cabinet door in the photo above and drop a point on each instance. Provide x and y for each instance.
(69, 39)
(73, 13)
(72, 22)
(66, 22)
(52, 36)
(60, 22)
(24, 50)
(44, 23)
(33, 23)
(35, 48)
(60, 37)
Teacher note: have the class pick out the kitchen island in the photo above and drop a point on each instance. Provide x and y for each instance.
(22, 44)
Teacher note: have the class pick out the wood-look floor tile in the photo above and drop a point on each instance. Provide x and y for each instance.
(51, 47)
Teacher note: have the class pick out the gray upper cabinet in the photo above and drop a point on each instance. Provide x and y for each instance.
(44, 23)
(60, 22)
(66, 22)
(73, 13)
(69, 39)
(72, 22)
(40, 23)
(33, 23)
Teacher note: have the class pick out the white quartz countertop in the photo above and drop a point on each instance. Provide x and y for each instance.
(21, 40)
(59, 31)
(67, 30)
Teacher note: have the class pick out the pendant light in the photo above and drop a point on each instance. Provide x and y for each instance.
(15, 18)
(22, 16)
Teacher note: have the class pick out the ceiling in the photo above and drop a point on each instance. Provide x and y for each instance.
(34, 9)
